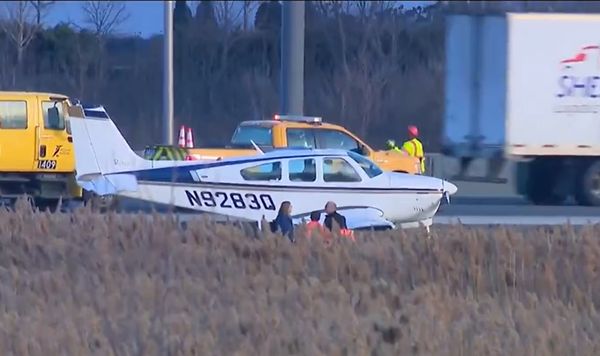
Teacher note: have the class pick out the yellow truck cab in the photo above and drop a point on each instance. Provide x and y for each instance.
(304, 132)
(36, 150)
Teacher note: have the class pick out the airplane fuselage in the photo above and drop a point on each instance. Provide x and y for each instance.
(251, 188)
(253, 202)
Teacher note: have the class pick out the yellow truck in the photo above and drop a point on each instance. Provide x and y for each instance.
(36, 149)
(287, 131)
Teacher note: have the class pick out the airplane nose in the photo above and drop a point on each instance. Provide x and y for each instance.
(450, 188)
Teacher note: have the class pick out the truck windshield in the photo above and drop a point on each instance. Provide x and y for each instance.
(370, 168)
(261, 135)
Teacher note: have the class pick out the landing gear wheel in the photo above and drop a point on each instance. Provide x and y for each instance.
(100, 203)
(542, 181)
(587, 191)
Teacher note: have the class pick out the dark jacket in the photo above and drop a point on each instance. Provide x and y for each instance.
(284, 224)
(339, 219)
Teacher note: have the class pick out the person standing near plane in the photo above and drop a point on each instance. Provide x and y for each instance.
(283, 222)
(313, 224)
(412, 147)
(333, 215)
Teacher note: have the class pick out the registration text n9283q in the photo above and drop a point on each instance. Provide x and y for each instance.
(233, 200)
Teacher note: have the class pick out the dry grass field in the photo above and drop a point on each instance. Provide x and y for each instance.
(90, 284)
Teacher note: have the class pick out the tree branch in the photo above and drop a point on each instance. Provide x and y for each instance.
(105, 16)
(41, 9)
(18, 23)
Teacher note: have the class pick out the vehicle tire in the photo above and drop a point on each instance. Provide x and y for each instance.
(541, 182)
(50, 204)
(25, 201)
(587, 191)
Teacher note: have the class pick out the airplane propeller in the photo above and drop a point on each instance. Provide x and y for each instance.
(445, 192)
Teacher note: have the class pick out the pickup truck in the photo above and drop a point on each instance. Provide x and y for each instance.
(290, 132)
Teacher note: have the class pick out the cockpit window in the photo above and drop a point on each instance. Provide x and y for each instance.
(263, 172)
(338, 170)
(370, 168)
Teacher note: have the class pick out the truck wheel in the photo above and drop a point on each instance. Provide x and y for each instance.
(541, 183)
(50, 204)
(587, 190)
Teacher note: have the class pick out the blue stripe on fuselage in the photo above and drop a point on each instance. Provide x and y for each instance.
(182, 174)
(278, 187)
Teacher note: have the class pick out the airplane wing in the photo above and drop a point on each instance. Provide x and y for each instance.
(357, 218)
(364, 218)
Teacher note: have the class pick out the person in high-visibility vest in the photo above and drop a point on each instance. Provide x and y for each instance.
(391, 145)
(160, 153)
(414, 147)
(313, 224)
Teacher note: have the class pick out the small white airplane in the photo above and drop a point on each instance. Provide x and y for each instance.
(250, 188)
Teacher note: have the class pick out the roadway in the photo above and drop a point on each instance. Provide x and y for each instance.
(499, 206)
(513, 211)
(486, 203)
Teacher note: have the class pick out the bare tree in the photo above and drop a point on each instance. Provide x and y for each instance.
(365, 68)
(229, 13)
(249, 7)
(41, 9)
(19, 25)
(104, 17)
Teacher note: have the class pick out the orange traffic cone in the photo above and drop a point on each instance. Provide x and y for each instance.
(189, 141)
(182, 136)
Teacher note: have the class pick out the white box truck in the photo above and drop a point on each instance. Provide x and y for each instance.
(526, 87)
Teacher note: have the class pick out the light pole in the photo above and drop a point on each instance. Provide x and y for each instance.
(292, 58)
(168, 99)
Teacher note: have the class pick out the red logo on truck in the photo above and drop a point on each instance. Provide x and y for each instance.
(580, 57)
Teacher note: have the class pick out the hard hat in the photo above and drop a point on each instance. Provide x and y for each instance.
(413, 131)
(390, 144)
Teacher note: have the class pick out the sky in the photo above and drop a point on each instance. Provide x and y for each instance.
(145, 17)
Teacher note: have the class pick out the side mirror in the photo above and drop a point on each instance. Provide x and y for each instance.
(53, 117)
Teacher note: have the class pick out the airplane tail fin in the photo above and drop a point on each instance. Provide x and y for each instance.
(100, 148)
